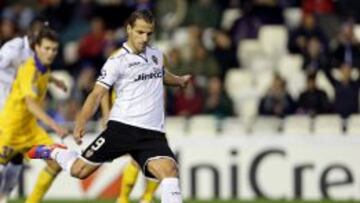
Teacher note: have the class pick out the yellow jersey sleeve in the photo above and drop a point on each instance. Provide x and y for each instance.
(27, 79)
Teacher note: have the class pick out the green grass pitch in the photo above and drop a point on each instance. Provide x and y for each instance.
(190, 201)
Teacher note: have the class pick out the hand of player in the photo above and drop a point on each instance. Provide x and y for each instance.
(79, 132)
(103, 122)
(185, 79)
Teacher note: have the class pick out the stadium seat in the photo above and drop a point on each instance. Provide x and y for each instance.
(297, 125)
(328, 125)
(337, 73)
(353, 125)
(324, 84)
(261, 64)
(203, 125)
(296, 83)
(175, 126)
(247, 110)
(180, 37)
(289, 67)
(248, 50)
(273, 40)
(238, 83)
(229, 17)
(232, 127)
(266, 125)
(263, 82)
(288, 64)
(293, 17)
(71, 52)
(357, 31)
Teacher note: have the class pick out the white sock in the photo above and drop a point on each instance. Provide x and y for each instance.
(11, 175)
(64, 157)
(170, 190)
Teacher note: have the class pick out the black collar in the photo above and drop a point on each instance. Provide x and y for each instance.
(126, 47)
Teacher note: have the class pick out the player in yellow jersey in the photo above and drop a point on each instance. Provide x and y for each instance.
(22, 109)
(130, 175)
(131, 170)
(12, 55)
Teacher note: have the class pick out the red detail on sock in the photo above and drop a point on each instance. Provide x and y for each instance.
(31, 153)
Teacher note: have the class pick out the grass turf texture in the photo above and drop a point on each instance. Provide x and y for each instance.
(190, 201)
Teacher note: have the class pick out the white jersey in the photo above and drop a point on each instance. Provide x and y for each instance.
(12, 54)
(138, 83)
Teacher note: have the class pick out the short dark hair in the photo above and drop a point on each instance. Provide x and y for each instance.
(47, 33)
(145, 15)
(34, 29)
(37, 23)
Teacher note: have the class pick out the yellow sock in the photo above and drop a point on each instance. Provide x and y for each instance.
(150, 190)
(129, 177)
(42, 185)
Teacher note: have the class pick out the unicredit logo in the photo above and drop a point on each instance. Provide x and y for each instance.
(153, 75)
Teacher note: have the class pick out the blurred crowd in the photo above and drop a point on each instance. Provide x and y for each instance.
(197, 39)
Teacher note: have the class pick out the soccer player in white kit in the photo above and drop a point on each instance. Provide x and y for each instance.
(12, 54)
(136, 121)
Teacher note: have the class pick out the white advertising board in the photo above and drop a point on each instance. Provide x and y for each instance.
(276, 167)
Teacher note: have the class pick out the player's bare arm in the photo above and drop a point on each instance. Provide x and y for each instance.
(174, 80)
(40, 114)
(90, 106)
(105, 108)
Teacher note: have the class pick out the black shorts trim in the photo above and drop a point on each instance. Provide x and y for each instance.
(144, 167)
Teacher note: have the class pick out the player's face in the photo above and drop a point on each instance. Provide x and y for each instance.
(46, 51)
(139, 35)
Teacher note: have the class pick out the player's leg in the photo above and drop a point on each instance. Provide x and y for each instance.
(149, 192)
(3, 197)
(11, 174)
(158, 161)
(109, 145)
(7, 151)
(44, 181)
(48, 174)
(82, 166)
(165, 170)
(129, 177)
(128, 181)
(68, 160)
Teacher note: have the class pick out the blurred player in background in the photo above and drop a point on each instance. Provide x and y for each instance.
(131, 170)
(130, 174)
(136, 121)
(12, 55)
(19, 130)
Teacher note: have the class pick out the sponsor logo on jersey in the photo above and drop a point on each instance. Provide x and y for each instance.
(134, 64)
(158, 73)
